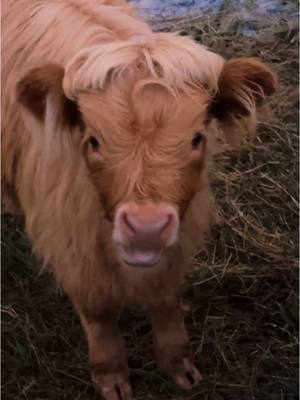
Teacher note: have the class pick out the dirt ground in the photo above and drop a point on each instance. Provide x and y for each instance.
(243, 290)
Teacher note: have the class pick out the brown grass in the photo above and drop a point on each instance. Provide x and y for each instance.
(243, 290)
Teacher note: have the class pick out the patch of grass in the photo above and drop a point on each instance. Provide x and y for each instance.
(243, 290)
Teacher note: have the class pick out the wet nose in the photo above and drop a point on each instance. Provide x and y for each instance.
(147, 224)
(144, 230)
(143, 223)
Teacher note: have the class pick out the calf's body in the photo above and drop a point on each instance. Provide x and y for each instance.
(105, 145)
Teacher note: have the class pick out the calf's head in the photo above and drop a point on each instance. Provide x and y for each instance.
(143, 110)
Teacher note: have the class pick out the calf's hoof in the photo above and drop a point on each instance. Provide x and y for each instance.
(181, 368)
(187, 374)
(113, 386)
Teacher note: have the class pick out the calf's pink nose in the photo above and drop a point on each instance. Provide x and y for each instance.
(146, 222)
(144, 230)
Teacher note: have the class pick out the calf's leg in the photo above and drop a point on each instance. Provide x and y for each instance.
(172, 343)
(107, 354)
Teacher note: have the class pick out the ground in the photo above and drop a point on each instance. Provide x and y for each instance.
(243, 290)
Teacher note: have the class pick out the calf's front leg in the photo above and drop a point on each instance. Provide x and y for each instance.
(107, 354)
(172, 343)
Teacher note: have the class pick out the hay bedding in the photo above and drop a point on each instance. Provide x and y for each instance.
(243, 290)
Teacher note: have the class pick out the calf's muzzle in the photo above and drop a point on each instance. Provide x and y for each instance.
(142, 231)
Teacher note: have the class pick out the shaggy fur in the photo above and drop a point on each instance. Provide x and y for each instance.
(73, 70)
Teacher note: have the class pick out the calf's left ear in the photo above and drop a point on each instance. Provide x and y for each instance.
(41, 93)
(243, 86)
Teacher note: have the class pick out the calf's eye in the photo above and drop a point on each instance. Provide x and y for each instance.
(94, 143)
(198, 138)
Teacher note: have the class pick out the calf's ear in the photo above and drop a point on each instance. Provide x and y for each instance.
(40, 91)
(243, 86)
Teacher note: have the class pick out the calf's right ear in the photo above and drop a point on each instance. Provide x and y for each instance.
(40, 91)
(244, 85)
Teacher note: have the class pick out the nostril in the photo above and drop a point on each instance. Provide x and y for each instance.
(166, 223)
(128, 224)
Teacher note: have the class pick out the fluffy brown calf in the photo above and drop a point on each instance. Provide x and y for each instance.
(105, 145)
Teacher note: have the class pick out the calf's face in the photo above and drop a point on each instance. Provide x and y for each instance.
(145, 156)
(145, 145)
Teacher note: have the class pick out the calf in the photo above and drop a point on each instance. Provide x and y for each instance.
(105, 147)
